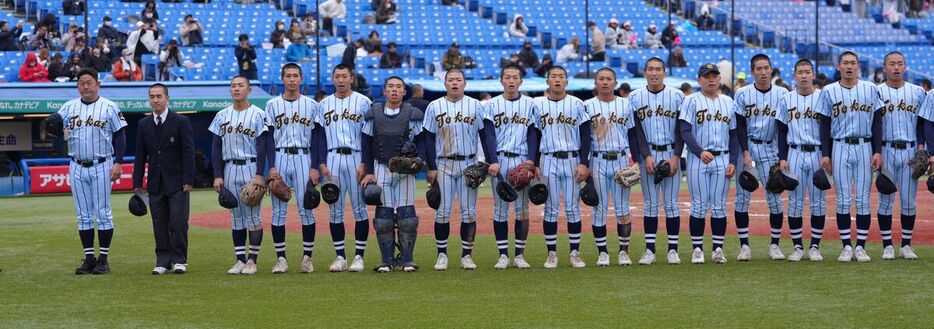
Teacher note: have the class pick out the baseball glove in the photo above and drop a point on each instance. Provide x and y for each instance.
(252, 193)
(521, 176)
(628, 176)
(774, 183)
(475, 174)
(406, 165)
(278, 188)
(919, 164)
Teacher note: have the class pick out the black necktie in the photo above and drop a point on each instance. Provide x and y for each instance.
(158, 120)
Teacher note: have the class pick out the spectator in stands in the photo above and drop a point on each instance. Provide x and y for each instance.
(386, 12)
(320, 95)
(126, 69)
(686, 89)
(80, 51)
(97, 60)
(74, 65)
(112, 55)
(513, 59)
(652, 39)
(295, 31)
(40, 40)
(570, 51)
(191, 31)
(676, 58)
(56, 68)
(625, 90)
(821, 80)
(528, 57)
(330, 10)
(626, 39)
(277, 38)
(546, 65)
(149, 11)
(518, 29)
(9, 37)
(246, 58)
(309, 25)
(740, 80)
(453, 59)
(170, 57)
(43, 57)
(670, 36)
(350, 53)
(360, 85)
(373, 45)
(143, 41)
(859, 8)
(418, 98)
(612, 34)
(597, 44)
(916, 9)
(73, 7)
(926, 85)
(704, 19)
(448, 2)
(391, 58)
(32, 71)
(299, 51)
(726, 70)
(70, 38)
(109, 33)
(878, 76)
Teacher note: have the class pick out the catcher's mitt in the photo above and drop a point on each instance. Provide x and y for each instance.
(278, 188)
(521, 176)
(252, 193)
(406, 165)
(628, 176)
(919, 164)
(408, 149)
(475, 174)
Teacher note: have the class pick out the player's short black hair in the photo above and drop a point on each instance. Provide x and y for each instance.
(393, 77)
(342, 66)
(605, 69)
(290, 66)
(686, 86)
(894, 52)
(556, 67)
(454, 70)
(502, 72)
(87, 71)
(625, 87)
(840, 58)
(803, 62)
(653, 59)
(240, 76)
(756, 57)
(159, 85)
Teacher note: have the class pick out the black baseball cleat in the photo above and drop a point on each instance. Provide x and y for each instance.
(102, 267)
(86, 267)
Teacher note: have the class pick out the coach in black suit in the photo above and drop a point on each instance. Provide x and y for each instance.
(164, 141)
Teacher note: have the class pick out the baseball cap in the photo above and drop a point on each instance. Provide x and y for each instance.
(627, 23)
(741, 75)
(708, 68)
(455, 45)
(614, 21)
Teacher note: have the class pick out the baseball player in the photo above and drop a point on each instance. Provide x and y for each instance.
(902, 134)
(386, 127)
(449, 121)
(850, 118)
(341, 115)
(656, 110)
(708, 128)
(239, 154)
(517, 140)
(755, 115)
(613, 131)
(565, 150)
(293, 116)
(798, 126)
(96, 144)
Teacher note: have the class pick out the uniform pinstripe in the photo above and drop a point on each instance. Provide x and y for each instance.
(293, 122)
(238, 131)
(658, 113)
(511, 118)
(342, 119)
(798, 113)
(610, 123)
(759, 109)
(899, 119)
(398, 189)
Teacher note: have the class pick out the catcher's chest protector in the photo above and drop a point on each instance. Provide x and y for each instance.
(389, 132)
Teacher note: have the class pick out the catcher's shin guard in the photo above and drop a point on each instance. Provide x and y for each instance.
(408, 231)
(383, 225)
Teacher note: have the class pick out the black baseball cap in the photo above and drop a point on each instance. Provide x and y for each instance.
(455, 45)
(708, 68)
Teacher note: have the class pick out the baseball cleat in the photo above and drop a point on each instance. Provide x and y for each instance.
(718, 257)
(442, 263)
(281, 266)
(697, 257)
(745, 254)
(409, 267)
(521, 262)
(648, 258)
(888, 253)
(775, 253)
(908, 253)
(237, 268)
(357, 264)
(159, 270)
(307, 265)
(861, 255)
(467, 263)
(796, 254)
(339, 264)
(249, 268)
(623, 258)
(102, 267)
(673, 258)
(552, 260)
(502, 262)
(603, 259)
(814, 254)
(846, 255)
(575, 259)
(180, 268)
(382, 268)
(86, 267)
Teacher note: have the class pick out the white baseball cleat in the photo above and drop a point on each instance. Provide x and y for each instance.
(521, 262)
(249, 268)
(307, 265)
(908, 253)
(697, 257)
(338, 265)
(467, 263)
(357, 264)
(281, 266)
(623, 258)
(775, 253)
(159, 270)
(383, 268)
(846, 255)
(888, 253)
(502, 262)
(237, 268)
(442, 263)
(180, 268)
(409, 267)
(575, 259)
(861, 255)
(603, 259)
(814, 254)
(552, 260)
(745, 254)
(796, 254)
(648, 258)
(673, 258)
(718, 257)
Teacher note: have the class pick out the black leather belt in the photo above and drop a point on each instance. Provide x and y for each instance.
(241, 162)
(342, 150)
(509, 154)
(854, 140)
(901, 145)
(616, 155)
(458, 157)
(294, 150)
(805, 148)
(662, 148)
(718, 153)
(89, 163)
(759, 141)
(562, 155)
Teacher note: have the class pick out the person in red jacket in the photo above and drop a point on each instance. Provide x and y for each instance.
(31, 71)
(125, 69)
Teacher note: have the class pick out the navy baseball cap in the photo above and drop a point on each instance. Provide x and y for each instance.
(708, 68)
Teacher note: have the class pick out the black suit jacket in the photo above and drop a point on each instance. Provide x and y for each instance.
(171, 159)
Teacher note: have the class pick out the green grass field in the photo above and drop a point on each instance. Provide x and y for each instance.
(39, 251)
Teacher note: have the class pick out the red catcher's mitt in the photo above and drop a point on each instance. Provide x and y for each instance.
(521, 176)
(279, 189)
